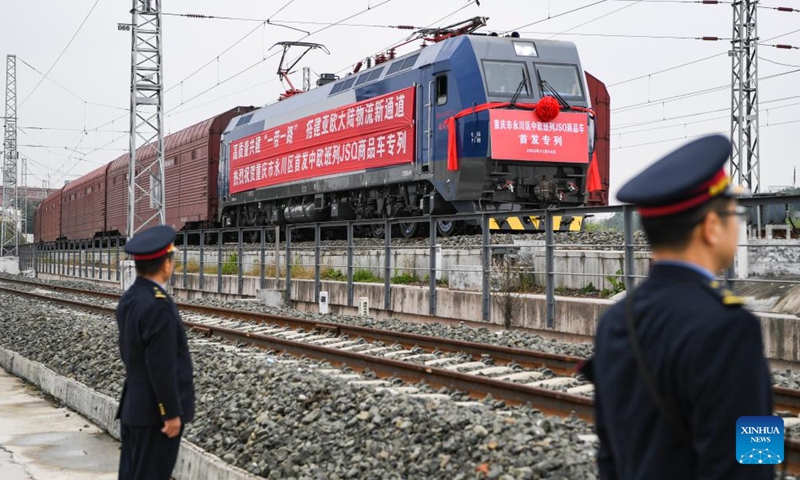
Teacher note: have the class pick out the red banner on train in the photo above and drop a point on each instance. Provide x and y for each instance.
(521, 135)
(378, 132)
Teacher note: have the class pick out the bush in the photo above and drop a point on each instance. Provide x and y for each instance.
(405, 279)
(231, 265)
(366, 276)
(333, 275)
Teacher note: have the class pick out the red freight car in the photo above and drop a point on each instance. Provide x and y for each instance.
(601, 103)
(191, 164)
(83, 206)
(48, 219)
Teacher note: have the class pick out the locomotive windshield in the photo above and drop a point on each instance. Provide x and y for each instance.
(563, 79)
(503, 78)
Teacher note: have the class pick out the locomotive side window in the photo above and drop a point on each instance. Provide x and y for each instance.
(562, 78)
(503, 78)
(441, 89)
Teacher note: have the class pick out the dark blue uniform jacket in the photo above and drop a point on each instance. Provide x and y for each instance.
(152, 340)
(705, 355)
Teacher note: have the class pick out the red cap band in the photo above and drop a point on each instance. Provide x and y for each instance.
(154, 255)
(715, 186)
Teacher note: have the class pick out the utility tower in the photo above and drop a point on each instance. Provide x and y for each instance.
(9, 236)
(745, 159)
(146, 173)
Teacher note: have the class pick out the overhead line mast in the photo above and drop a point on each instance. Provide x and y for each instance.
(745, 165)
(146, 191)
(9, 234)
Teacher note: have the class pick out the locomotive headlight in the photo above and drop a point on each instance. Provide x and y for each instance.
(525, 49)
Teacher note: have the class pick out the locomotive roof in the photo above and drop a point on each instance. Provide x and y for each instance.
(484, 47)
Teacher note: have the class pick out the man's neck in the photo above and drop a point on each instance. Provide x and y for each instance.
(155, 279)
(695, 258)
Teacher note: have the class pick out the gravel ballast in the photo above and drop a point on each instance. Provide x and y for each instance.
(286, 420)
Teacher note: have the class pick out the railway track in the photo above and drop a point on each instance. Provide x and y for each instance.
(516, 376)
(449, 372)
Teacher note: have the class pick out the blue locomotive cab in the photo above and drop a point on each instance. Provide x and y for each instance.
(508, 158)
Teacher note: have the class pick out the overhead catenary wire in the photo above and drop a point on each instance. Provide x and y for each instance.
(634, 3)
(622, 35)
(63, 129)
(231, 47)
(693, 122)
(695, 114)
(340, 71)
(550, 17)
(393, 44)
(259, 62)
(778, 63)
(63, 51)
(692, 62)
(695, 93)
(687, 137)
(62, 87)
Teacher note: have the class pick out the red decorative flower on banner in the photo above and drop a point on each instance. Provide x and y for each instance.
(548, 108)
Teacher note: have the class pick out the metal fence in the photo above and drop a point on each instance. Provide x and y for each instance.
(300, 252)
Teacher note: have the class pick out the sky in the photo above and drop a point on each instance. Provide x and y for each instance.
(75, 120)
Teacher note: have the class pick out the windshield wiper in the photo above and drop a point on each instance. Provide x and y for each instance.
(522, 84)
(548, 87)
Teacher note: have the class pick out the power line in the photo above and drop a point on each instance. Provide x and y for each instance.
(62, 87)
(636, 2)
(62, 52)
(275, 54)
(237, 42)
(682, 96)
(695, 114)
(686, 137)
(550, 17)
(779, 63)
(621, 35)
(313, 23)
(75, 149)
(438, 21)
(59, 129)
(669, 69)
(622, 82)
(683, 124)
(781, 35)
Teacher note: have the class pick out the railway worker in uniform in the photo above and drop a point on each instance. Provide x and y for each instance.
(680, 360)
(158, 396)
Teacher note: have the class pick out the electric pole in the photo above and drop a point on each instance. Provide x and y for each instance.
(9, 235)
(146, 170)
(745, 158)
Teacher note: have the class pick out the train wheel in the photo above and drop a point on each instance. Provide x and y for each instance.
(409, 230)
(252, 236)
(269, 235)
(377, 231)
(447, 228)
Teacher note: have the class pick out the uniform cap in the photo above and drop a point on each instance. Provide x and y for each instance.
(685, 178)
(152, 243)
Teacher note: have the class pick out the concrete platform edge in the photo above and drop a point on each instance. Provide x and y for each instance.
(193, 462)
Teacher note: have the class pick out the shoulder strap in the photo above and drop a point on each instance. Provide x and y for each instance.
(680, 427)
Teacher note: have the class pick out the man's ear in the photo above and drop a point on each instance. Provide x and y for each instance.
(710, 231)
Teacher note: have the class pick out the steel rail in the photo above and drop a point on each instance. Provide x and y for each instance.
(786, 399)
(547, 401)
(559, 364)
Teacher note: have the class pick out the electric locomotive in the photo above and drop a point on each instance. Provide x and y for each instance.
(458, 126)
